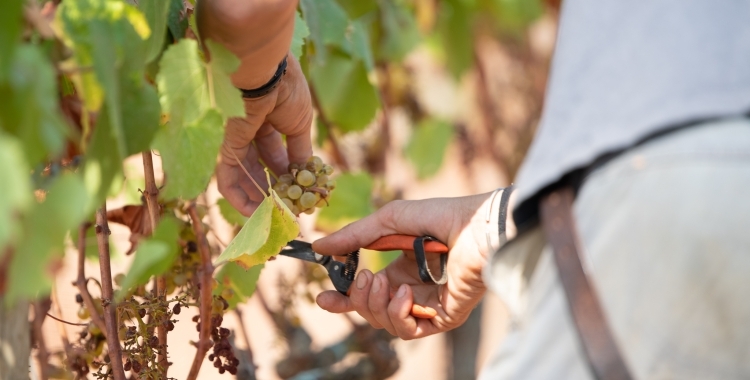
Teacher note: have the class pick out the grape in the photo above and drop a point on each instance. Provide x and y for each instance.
(328, 169)
(281, 189)
(292, 167)
(330, 185)
(180, 279)
(307, 200)
(322, 180)
(305, 178)
(294, 192)
(288, 202)
(287, 179)
(309, 211)
(227, 293)
(295, 210)
(119, 279)
(316, 162)
(83, 313)
(94, 329)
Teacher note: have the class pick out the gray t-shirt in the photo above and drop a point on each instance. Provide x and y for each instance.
(624, 70)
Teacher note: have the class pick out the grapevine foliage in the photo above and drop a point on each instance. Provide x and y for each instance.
(97, 81)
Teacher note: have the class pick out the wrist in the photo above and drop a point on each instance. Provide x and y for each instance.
(268, 86)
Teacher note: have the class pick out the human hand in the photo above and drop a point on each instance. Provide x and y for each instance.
(458, 222)
(285, 110)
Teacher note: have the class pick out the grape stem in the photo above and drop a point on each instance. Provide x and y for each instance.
(206, 273)
(66, 322)
(151, 196)
(110, 317)
(247, 172)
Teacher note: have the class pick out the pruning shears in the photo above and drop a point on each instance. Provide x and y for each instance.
(342, 273)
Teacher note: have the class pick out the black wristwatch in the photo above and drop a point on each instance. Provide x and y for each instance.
(269, 86)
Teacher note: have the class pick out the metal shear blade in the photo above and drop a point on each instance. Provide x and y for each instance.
(341, 277)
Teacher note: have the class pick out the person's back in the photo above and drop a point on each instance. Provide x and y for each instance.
(654, 93)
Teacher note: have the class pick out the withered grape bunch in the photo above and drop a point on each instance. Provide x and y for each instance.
(306, 186)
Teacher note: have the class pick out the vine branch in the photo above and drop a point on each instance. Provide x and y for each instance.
(151, 196)
(81, 281)
(110, 317)
(206, 272)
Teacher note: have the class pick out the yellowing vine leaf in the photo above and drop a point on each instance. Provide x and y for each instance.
(268, 230)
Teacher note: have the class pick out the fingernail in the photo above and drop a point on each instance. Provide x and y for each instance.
(361, 280)
(401, 291)
(375, 284)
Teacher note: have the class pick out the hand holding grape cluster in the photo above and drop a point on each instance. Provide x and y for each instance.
(306, 186)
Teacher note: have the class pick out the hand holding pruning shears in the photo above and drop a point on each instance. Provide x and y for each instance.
(342, 273)
(386, 299)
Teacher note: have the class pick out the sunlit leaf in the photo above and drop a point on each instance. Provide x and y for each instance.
(349, 202)
(109, 43)
(268, 230)
(327, 22)
(29, 109)
(227, 97)
(189, 153)
(102, 164)
(427, 146)
(230, 213)
(154, 255)
(300, 33)
(156, 12)
(15, 193)
(45, 227)
(454, 28)
(184, 89)
(346, 95)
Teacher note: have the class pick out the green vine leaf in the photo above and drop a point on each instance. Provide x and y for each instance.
(11, 19)
(230, 214)
(300, 33)
(188, 153)
(45, 227)
(268, 230)
(15, 193)
(241, 281)
(427, 146)
(111, 36)
(340, 83)
(350, 202)
(156, 12)
(154, 256)
(327, 22)
(188, 86)
(30, 109)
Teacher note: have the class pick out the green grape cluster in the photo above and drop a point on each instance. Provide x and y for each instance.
(306, 186)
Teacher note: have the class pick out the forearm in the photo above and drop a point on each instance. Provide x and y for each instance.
(259, 32)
